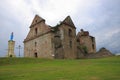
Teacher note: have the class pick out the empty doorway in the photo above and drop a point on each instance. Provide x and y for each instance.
(35, 55)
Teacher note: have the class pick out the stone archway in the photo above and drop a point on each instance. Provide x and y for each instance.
(36, 55)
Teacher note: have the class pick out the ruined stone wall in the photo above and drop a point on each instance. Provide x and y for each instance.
(68, 41)
(89, 43)
(42, 46)
(38, 42)
(37, 30)
(58, 42)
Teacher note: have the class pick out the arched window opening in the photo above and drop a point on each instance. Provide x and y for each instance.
(92, 39)
(36, 21)
(93, 46)
(36, 31)
(70, 32)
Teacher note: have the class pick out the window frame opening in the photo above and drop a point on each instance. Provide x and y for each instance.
(70, 32)
(36, 31)
(35, 44)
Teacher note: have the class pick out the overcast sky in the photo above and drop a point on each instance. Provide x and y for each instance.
(100, 17)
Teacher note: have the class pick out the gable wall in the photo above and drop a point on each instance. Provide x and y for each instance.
(44, 47)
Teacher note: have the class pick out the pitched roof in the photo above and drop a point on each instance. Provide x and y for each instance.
(36, 20)
(68, 21)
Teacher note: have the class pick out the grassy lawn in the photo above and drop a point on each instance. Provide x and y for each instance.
(45, 69)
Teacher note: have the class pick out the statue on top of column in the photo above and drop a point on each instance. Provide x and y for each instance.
(11, 36)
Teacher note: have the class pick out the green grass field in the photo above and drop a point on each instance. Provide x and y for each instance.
(45, 69)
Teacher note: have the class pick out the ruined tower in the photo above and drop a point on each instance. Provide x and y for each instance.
(67, 36)
(86, 41)
(11, 45)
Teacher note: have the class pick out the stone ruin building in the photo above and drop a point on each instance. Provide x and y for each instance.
(58, 42)
(85, 44)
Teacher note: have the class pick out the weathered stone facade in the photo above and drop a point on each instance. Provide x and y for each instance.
(85, 44)
(59, 42)
(86, 40)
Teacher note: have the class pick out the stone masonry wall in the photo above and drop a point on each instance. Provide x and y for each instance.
(41, 45)
(69, 42)
(87, 41)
